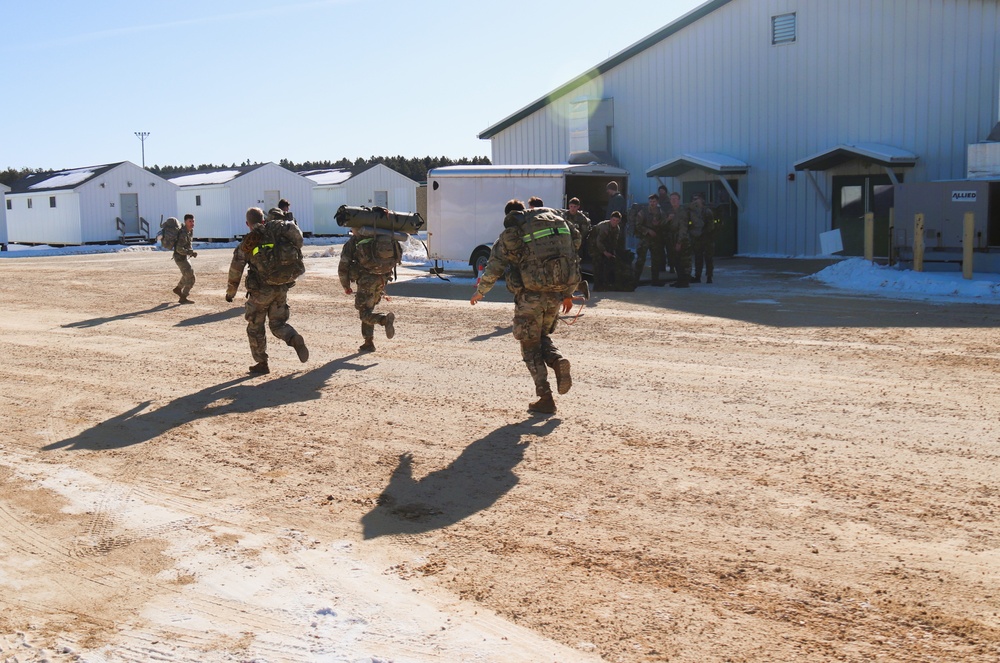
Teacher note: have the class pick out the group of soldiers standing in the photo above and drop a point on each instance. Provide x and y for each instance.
(672, 235)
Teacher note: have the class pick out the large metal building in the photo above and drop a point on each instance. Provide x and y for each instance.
(794, 116)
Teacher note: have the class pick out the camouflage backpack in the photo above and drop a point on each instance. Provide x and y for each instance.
(549, 263)
(378, 254)
(277, 260)
(169, 230)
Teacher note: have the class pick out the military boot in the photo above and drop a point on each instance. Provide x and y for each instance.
(301, 350)
(177, 291)
(260, 368)
(544, 405)
(563, 379)
(184, 300)
(389, 323)
(367, 346)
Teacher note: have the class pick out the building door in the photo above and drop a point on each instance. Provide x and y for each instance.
(721, 203)
(271, 199)
(128, 211)
(382, 199)
(853, 197)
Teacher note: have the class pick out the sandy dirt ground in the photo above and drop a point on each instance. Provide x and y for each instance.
(762, 469)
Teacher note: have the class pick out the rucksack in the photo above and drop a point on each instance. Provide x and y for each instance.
(277, 260)
(549, 262)
(170, 229)
(378, 254)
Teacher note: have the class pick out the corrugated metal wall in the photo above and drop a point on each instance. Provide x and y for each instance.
(922, 75)
(212, 211)
(42, 223)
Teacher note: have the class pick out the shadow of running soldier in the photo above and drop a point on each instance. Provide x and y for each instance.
(273, 249)
(139, 425)
(473, 482)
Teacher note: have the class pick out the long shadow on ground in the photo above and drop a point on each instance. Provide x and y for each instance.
(94, 322)
(473, 482)
(233, 397)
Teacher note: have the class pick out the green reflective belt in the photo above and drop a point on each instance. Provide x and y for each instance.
(365, 241)
(259, 246)
(545, 232)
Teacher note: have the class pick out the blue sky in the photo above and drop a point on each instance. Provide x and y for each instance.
(223, 81)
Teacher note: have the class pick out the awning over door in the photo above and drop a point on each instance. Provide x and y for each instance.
(721, 165)
(882, 155)
(710, 162)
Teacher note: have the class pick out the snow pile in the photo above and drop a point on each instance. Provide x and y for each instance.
(860, 275)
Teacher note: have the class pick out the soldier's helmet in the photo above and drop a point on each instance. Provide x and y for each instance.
(275, 214)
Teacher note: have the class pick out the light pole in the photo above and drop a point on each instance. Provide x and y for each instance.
(141, 135)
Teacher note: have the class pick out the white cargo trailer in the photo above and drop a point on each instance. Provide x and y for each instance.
(465, 203)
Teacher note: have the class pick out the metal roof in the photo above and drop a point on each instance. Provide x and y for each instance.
(60, 180)
(883, 155)
(551, 170)
(213, 177)
(712, 162)
(687, 19)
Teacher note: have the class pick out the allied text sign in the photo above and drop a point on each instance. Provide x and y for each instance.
(963, 196)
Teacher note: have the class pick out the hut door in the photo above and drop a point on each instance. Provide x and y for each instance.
(128, 206)
(382, 199)
(271, 199)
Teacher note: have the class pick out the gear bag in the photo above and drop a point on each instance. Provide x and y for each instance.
(378, 254)
(549, 262)
(277, 260)
(169, 230)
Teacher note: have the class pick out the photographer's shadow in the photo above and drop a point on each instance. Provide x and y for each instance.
(232, 397)
(481, 475)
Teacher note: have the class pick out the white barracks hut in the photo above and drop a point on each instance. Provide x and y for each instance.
(118, 202)
(378, 185)
(795, 116)
(219, 199)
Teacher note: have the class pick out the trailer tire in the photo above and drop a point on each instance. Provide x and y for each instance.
(479, 259)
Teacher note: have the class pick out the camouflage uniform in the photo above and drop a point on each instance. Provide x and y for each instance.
(582, 223)
(680, 240)
(617, 204)
(650, 220)
(702, 231)
(264, 302)
(371, 286)
(182, 251)
(535, 313)
(605, 239)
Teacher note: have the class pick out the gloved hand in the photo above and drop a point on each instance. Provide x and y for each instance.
(229, 298)
(194, 254)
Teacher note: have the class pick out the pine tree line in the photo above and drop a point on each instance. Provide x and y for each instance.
(413, 167)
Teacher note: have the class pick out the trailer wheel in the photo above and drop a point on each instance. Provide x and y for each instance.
(479, 259)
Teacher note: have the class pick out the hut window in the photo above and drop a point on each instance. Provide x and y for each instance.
(9, 205)
(197, 201)
(29, 203)
(52, 201)
(783, 29)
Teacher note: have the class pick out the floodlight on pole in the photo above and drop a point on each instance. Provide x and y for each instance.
(141, 135)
